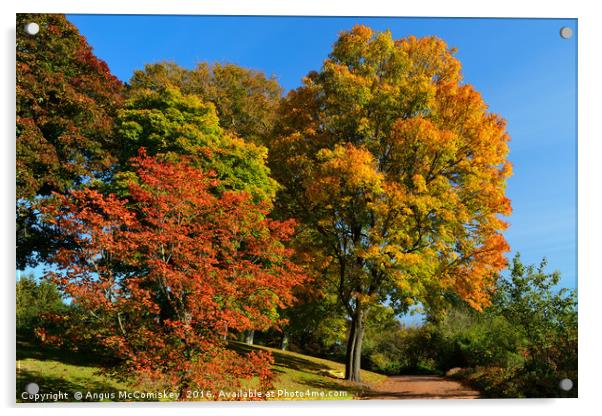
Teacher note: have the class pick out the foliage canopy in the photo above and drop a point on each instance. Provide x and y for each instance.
(398, 170)
(167, 121)
(245, 100)
(164, 275)
(66, 103)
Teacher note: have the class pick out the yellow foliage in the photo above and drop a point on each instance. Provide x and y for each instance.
(398, 167)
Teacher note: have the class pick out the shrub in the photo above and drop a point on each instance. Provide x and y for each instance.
(34, 300)
(523, 345)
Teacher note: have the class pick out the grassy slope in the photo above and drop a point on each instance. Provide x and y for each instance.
(298, 372)
(54, 370)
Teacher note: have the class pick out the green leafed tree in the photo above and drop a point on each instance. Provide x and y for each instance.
(167, 121)
(35, 299)
(545, 315)
(520, 346)
(246, 100)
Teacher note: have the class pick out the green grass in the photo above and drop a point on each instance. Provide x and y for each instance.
(295, 374)
(298, 372)
(55, 370)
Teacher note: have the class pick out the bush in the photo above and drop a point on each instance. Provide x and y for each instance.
(468, 339)
(523, 345)
(36, 299)
(398, 349)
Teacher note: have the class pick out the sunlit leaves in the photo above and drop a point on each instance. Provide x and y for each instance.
(399, 169)
(166, 121)
(245, 100)
(172, 269)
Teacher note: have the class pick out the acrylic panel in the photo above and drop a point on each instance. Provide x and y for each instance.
(295, 208)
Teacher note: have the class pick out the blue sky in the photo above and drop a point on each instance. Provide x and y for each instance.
(525, 71)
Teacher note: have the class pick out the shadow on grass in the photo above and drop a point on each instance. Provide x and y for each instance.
(53, 385)
(316, 376)
(30, 347)
(282, 358)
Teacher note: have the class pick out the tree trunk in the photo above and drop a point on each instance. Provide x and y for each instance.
(250, 336)
(354, 347)
(349, 352)
(284, 343)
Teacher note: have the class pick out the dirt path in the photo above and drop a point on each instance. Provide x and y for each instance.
(420, 387)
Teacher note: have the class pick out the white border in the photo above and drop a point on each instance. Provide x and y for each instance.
(509, 8)
(590, 186)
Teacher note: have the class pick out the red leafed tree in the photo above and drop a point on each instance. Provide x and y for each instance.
(164, 275)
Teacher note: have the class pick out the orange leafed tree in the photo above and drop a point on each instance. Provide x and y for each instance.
(161, 277)
(397, 171)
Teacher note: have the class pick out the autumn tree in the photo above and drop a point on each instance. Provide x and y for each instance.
(245, 100)
(163, 274)
(397, 171)
(66, 102)
(167, 121)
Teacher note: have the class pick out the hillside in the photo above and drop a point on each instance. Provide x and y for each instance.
(297, 376)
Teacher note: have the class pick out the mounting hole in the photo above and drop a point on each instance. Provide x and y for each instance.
(566, 32)
(566, 384)
(32, 28)
(32, 388)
